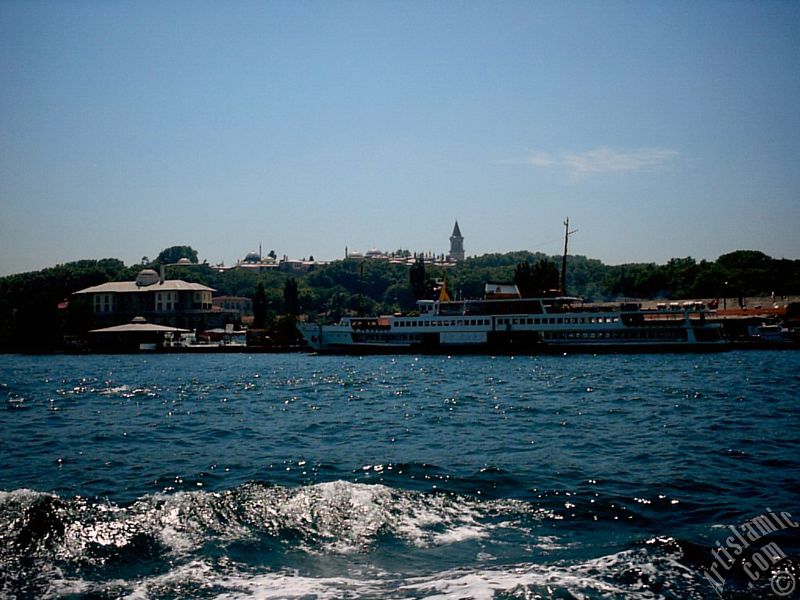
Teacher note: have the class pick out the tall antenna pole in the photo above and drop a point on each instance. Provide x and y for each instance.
(567, 233)
(360, 288)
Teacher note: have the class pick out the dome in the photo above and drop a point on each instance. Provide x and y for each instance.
(147, 277)
(252, 257)
(184, 261)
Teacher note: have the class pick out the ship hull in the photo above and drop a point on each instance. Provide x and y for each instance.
(332, 340)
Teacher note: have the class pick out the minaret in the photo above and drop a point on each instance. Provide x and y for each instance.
(456, 245)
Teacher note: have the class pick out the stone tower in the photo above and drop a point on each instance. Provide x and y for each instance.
(456, 245)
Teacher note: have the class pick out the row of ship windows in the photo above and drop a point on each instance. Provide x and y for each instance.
(509, 321)
(652, 334)
(554, 320)
(559, 335)
(453, 323)
(380, 337)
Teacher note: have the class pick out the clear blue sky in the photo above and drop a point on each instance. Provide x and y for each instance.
(662, 129)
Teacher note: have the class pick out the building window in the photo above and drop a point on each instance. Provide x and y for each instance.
(103, 303)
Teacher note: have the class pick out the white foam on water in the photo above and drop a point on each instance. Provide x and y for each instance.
(291, 585)
(197, 573)
(635, 573)
(593, 578)
(23, 496)
(341, 518)
(344, 517)
(586, 579)
(201, 578)
(550, 543)
(79, 535)
(460, 534)
(184, 520)
(437, 520)
(60, 587)
(116, 390)
(486, 584)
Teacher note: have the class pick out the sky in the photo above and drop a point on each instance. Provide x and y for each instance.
(661, 129)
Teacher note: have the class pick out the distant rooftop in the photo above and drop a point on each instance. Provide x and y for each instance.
(146, 281)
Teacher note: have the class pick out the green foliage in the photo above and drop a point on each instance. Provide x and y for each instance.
(417, 280)
(174, 253)
(291, 299)
(30, 317)
(536, 280)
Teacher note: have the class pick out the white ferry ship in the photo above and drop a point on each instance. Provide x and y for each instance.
(503, 322)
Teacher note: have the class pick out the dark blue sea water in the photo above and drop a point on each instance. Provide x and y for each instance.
(295, 476)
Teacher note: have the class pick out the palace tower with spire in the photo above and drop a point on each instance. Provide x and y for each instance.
(456, 245)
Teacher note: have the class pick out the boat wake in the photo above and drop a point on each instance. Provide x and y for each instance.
(328, 540)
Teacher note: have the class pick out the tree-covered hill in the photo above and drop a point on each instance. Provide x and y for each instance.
(31, 319)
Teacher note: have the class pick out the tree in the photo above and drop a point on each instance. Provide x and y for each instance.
(419, 285)
(536, 280)
(174, 253)
(522, 279)
(260, 307)
(290, 297)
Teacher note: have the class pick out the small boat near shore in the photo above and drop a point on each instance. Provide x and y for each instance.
(505, 323)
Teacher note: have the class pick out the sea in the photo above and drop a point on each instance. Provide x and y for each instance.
(302, 476)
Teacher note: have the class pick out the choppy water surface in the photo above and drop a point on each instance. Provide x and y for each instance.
(294, 476)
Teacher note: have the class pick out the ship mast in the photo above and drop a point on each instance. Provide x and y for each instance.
(567, 233)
